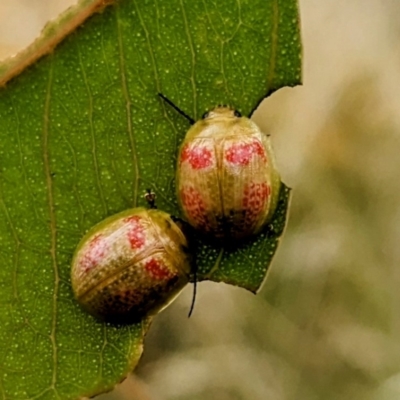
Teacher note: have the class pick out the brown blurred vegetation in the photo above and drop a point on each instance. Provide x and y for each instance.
(326, 324)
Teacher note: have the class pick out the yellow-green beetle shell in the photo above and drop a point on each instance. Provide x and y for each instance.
(227, 181)
(130, 265)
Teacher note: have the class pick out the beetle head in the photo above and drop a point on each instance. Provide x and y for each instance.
(221, 112)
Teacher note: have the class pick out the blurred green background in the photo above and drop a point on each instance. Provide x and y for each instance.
(326, 324)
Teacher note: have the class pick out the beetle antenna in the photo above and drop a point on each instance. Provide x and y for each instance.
(150, 197)
(194, 291)
(190, 119)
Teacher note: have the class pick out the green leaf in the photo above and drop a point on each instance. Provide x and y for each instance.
(83, 134)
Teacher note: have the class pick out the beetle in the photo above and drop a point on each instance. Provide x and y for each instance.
(130, 266)
(226, 179)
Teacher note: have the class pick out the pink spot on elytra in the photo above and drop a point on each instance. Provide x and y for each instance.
(157, 269)
(255, 196)
(194, 206)
(136, 233)
(242, 153)
(199, 157)
(94, 253)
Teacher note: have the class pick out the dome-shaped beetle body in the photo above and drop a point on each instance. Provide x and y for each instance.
(227, 181)
(130, 265)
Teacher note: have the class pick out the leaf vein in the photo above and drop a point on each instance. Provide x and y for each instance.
(53, 222)
(128, 101)
(274, 44)
(193, 76)
(21, 159)
(92, 134)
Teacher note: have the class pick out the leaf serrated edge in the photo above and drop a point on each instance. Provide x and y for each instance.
(134, 356)
(288, 200)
